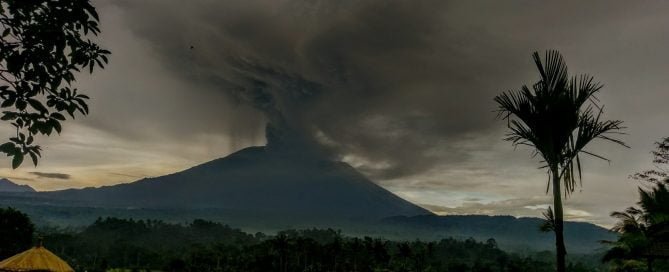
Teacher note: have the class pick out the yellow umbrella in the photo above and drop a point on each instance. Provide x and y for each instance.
(35, 259)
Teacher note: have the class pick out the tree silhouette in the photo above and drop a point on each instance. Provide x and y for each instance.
(633, 241)
(43, 44)
(660, 172)
(16, 232)
(558, 117)
(126, 245)
(644, 230)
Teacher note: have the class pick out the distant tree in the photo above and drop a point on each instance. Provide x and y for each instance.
(660, 173)
(491, 243)
(633, 241)
(16, 232)
(124, 245)
(558, 116)
(644, 228)
(43, 43)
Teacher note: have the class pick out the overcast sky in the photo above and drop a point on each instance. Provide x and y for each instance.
(402, 90)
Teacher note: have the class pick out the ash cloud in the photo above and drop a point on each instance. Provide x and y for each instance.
(390, 86)
(357, 80)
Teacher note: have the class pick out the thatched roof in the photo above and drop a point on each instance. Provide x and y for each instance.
(35, 259)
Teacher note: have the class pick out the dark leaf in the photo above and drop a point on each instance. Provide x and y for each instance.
(55, 124)
(7, 148)
(8, 116)
(21, 104)
(17, 160)
(58, 116)
(33, 156)
(37, 105)
(8, 102)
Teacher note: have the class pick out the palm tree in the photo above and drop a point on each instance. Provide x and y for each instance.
(642, 229)
(558, 117)
(633, 241)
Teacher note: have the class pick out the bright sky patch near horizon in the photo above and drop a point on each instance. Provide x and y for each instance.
(406, 98)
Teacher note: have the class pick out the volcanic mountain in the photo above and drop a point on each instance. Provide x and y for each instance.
(9, 186)
(257, 181)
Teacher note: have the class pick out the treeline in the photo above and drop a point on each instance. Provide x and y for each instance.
(207, 246)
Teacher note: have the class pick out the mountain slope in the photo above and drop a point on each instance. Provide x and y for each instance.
(254, 180)
(8, 186)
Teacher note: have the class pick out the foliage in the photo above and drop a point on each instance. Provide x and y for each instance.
(208, 246)
(641, 229)
(16, 232)
(548, 223)
(661, 161)
(43, 44)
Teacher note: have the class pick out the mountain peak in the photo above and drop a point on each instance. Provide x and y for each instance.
(258, 180)
(9, 186)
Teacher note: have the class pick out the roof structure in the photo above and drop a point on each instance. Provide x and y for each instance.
(35, 259)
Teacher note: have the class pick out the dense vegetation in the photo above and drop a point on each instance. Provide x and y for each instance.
(16, 232)
(208, 246)
(643, 241)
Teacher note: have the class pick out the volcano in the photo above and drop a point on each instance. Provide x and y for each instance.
(258, 181)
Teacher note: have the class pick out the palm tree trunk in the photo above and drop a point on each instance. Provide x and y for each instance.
(559, 222)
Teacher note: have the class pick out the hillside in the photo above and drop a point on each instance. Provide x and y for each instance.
(9, 186)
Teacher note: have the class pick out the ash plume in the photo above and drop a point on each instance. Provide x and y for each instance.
(393, 87)
(328, 76)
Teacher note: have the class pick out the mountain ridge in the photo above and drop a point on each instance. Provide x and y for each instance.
(256, 180)
(9, 186)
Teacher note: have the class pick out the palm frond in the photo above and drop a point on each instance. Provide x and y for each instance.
(628, 222)
(548, 224)
(589, 127)
(558, 117)
(553, 70)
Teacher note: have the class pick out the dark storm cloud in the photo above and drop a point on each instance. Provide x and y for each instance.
(50, 175)
(371, 79)
(391, 86)
(137, 98)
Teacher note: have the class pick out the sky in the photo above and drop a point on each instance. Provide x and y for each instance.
(401, 90)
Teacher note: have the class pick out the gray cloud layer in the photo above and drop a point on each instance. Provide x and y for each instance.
(382, 81)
